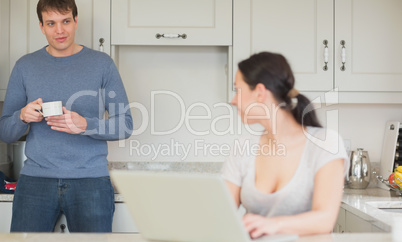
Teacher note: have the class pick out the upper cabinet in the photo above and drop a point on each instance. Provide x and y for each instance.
(93, 25)
(352, 45)
(21, 34)
(4, 44)
(372, 33)
(296, 29)
(26, 36)
(172, 22)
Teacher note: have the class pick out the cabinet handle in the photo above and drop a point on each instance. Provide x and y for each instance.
(326, 55)
(343, 55)
(101, 41)
(171, 36)
(62, 227)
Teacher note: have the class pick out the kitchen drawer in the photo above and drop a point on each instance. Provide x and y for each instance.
(204, 22)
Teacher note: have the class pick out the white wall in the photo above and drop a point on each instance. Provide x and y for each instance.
(364, 125)
(189, 76)
(198, 75)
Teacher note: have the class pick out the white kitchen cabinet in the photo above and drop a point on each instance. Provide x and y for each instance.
(297, 29)
(348, 222)
(122, 221)
(172, 22)
(26, 36)
(375, 229)
(4, 44)
(372, 33)
(355, 224)
(61, 225)
(93, 24)
(6, 213)
(340, 224)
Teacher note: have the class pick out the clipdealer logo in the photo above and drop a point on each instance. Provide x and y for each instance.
(186, 117)
(174, 148)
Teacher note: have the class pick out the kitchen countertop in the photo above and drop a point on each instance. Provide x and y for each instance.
(354, 200)
(182, 167)
(44, 237)
(357, 201)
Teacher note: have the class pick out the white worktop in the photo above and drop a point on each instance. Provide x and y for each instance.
(50, 237)
(358, 201)
(353, 200)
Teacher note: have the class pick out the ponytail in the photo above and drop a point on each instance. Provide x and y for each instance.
(275, 73)
(304, 112)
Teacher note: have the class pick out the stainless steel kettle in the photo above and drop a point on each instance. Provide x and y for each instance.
(358, 176)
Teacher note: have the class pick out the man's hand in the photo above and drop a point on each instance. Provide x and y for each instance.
(30, 112)
(69, 122)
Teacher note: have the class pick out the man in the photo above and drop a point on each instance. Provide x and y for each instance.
(66, 168)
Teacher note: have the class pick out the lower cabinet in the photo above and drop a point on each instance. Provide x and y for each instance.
(355, 224)
(348, 222)
(6, 209)
(122, 221)
(340, 222)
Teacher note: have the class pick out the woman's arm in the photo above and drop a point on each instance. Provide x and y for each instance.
(328, 186)
(235, 191)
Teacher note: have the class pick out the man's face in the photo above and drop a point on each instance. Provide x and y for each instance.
(59, 30)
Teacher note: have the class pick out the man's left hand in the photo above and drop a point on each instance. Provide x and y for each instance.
(69, 122)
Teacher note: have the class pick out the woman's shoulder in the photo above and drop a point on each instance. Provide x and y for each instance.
(326, 145)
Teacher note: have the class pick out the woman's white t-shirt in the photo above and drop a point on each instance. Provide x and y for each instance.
(322, 146)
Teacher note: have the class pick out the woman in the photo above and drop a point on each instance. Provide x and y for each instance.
(293, 182)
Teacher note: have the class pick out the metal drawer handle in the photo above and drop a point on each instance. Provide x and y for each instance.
(171, 36)
(343, 55)
(326, 55)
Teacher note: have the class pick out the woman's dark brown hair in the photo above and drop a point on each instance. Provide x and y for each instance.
(60, 6)
(274, 72)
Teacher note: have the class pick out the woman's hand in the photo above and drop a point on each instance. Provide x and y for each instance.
(70, 122)
(257, 225)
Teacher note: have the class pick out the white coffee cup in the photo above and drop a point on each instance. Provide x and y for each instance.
(52, 109)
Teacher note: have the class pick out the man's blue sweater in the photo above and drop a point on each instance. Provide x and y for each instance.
(87, 83)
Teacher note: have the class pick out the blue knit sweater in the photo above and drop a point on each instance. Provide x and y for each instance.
(87, 83)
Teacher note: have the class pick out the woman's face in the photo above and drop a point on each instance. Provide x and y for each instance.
(250, 103)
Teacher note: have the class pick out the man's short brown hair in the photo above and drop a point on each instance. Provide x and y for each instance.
(60, 6)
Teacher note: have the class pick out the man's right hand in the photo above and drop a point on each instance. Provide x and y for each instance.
(30, 112)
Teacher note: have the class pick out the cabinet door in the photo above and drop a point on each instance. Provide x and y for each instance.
(372, 33)
(122, 221)
(375, 229)
(4, 44)
(93, 24)
(26, 36)
(341, 221)
(6, 213)
(61, 225)
(355, 224)
(204, 22)
(295, 29)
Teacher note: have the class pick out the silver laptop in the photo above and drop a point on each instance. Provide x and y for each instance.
(183, 207)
